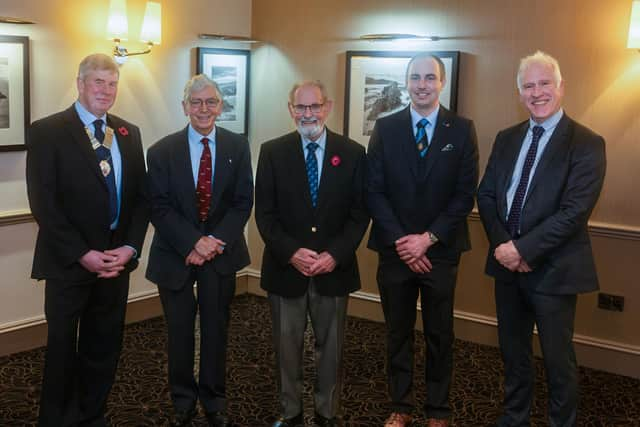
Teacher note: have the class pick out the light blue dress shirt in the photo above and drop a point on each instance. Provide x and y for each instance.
(195, 152)
(431, 118)
(549, 126)
(87, 119)
(322, 145)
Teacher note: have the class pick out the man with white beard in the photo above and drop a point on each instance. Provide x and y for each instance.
(311, 214)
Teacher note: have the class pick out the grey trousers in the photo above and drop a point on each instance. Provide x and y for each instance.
(289, 317)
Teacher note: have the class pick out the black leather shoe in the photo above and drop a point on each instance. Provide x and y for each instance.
(182, 418)
(218, 419)
(297, 421)
(320, 421)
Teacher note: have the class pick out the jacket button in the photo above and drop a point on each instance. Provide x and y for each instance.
(314, 229)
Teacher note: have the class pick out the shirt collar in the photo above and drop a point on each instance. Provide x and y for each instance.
(86, 117)
(431, 117)
(196, 136)
(550, 123)
(321, 141)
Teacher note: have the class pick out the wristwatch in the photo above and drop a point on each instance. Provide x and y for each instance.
(432, 237)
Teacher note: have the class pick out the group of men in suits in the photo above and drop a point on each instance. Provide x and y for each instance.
(315, 193)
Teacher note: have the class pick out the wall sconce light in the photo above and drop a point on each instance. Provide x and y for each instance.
(390, 37)
(118, 28)
(10, 20)
(224, 37)
(634, 26)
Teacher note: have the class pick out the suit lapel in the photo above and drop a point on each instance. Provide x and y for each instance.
(328, 177)
(181, 159)
(510, 157)
(555, 143)
(297, 163)
(407, 140)
(439, 139)
(76, 128)
(223, 164)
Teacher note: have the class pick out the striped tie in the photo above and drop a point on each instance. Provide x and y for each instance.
(422, 140)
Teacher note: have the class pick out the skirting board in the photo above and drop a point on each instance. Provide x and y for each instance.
(609, 356)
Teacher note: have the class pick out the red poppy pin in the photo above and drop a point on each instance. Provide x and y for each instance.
(335, 160)
(123, 131)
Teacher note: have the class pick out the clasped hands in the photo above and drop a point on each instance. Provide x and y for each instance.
(205, 249)
(107, 264)
(412, 249)
(508, 256)
(310, 263)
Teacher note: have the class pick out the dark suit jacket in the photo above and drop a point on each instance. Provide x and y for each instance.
(554, 237)
(175, 212)
(70, 199)
(287, 220)
(404, 201)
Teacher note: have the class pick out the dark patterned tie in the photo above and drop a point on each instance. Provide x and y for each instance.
(104, 155)
(312, 172)
(513, 220)
(203, 189)
(422, 140)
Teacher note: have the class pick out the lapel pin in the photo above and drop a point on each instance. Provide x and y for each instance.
(335, 160)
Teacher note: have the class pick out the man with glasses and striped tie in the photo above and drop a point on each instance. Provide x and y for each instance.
(311, 214)
(422, 176)
(201, 186)
(542, 181)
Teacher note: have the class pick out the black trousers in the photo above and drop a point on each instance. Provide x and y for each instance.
(85, 327)
(518, 309)
(399, 301)
(214, 295)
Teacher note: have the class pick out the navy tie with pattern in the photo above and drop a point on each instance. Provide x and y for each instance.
(312, 172)
(422, 140)
(104, 154)
(513, 220)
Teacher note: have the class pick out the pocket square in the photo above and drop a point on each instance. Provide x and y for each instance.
(448, 147)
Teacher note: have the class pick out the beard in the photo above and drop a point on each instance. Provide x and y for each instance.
(310, 131)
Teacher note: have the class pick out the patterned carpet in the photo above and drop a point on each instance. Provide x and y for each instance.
(140, 395)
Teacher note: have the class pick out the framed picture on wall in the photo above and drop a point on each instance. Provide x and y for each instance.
(375, 87)
(14, 92)
(229, 68)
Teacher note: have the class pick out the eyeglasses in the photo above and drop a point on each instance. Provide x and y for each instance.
(301, 108)
(209, 102)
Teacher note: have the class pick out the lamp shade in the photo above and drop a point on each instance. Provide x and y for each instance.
(151, 26)
(634, 26)
(117, 26)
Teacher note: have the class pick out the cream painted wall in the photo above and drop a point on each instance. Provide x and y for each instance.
(149, 95)
(309, 41)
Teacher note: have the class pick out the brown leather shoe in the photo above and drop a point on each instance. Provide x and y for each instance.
(397, 419)
(435, 422)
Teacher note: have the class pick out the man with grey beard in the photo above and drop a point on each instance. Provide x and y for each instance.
(311, 215)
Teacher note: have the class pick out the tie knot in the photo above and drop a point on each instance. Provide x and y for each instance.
(537, 132)
(97, 124)
(312, 147)
(204, 141)
(422, 123)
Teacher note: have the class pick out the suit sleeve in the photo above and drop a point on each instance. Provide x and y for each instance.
(387, 225)
(461, 202)
(231, 226)
(141, 209)
(43, 193)
(171, 224)
(279, 242)
(488, 200)
(344, 245)
(581, 192)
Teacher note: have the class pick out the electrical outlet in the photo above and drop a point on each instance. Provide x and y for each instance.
(610, 302)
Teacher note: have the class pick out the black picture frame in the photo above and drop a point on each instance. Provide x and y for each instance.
(386, 70)
(229, 68)
(15, 106)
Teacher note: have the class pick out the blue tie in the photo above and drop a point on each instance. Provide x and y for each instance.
(513, 220)
(104, 154)
(422, 140)
(312, 172)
